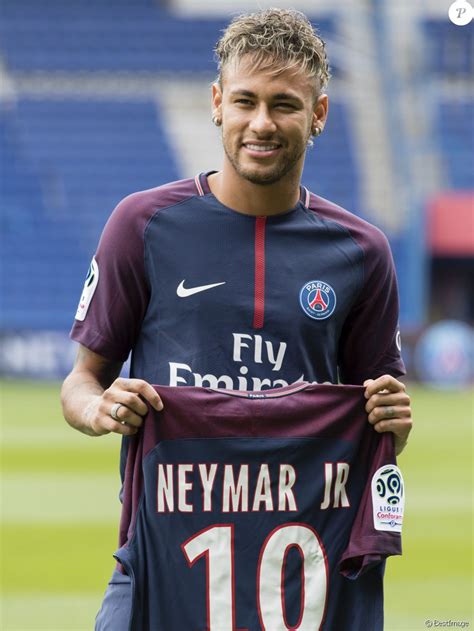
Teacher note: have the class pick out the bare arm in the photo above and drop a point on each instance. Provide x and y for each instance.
(93, 387)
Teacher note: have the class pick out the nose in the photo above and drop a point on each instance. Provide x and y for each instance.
(262, 123)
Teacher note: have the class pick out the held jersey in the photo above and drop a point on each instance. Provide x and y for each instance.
(207, 296)
(252, 511)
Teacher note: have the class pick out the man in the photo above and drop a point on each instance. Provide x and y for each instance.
(241, 278)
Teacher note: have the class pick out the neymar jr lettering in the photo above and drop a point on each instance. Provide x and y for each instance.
(238, 493)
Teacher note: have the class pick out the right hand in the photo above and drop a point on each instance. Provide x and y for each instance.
(133, 396)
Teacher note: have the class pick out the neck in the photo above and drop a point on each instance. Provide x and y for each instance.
(254, 199)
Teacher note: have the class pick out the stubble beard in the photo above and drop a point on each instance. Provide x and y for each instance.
(272, 174)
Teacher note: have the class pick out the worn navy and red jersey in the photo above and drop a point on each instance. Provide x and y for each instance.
(251, 511)
(206, 296)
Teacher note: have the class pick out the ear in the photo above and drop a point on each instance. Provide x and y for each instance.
(320, 111)
(216, 99)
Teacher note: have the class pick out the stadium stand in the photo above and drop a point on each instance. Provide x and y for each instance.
(331, 167)
(455, 119)
(450, 49)
(67, 164)
(93, 37)
(449, 67)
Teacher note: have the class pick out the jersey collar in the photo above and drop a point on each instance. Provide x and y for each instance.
(202, 187)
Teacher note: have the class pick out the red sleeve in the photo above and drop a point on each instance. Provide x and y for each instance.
(115, 310)
(369, 344)
(374, 536)
(116, 291)
(370, 339)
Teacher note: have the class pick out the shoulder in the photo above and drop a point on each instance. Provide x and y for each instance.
(371, 240)
(142, 205)
(129, 219)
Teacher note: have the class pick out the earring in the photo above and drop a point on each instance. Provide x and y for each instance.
(316, 131)
(216, 120)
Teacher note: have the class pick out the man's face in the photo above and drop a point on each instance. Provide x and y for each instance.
(266, 120)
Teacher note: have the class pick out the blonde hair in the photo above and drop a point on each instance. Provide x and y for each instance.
(278, 40)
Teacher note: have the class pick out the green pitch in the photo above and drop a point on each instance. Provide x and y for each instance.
(60, 515)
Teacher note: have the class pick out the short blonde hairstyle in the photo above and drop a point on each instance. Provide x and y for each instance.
(278, 40)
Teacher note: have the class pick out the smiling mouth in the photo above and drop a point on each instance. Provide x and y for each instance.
(261, 148)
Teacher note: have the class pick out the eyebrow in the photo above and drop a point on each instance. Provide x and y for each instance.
(280, 96)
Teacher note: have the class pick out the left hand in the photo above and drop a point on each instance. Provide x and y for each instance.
(388, 407)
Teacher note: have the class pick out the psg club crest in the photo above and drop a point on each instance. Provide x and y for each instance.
(318, 299)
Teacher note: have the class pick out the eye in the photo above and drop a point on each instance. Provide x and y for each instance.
(285, 106)
(243, 101)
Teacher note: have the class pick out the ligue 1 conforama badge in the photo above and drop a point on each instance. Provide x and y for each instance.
(318, 299)
(90, 285)
(388, 498)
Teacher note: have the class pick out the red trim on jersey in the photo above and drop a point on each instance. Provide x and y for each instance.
(306, 197)
(259, 303)
(198, 185)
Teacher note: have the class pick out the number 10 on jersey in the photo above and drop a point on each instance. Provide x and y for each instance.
(216, 545)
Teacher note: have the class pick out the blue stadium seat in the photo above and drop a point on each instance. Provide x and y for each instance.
(65, 165)
(450, 49)
(131, 37)
(456, 126)
(331, 167)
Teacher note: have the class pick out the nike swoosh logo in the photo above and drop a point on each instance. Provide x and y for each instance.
(183, 292)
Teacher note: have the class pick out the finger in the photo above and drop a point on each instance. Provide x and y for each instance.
(125, 415)
(133, 402)
(387, 399)
(144, 389)
(385, 382)
(129, 400)
(114, 408)
(124, 429)
(388, 413)
(105, 424)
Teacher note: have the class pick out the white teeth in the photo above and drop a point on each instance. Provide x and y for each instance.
(261, 147)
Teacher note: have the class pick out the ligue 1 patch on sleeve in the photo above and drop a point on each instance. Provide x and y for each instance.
(90, 285)
(388, 498)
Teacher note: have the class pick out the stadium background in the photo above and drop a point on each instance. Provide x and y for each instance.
(101, 98)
